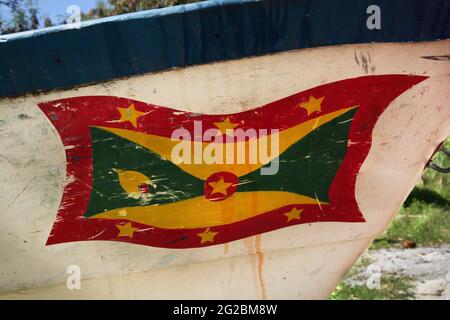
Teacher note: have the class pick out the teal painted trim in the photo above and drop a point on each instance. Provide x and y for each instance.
(201, 33)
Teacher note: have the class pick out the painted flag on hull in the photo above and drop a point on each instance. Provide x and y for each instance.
(156, 176)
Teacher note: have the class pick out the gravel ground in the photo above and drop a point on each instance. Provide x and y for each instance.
(428, 266)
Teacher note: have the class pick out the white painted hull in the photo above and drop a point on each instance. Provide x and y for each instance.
(299, 262)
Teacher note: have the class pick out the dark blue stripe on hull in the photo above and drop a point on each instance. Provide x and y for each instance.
(201, 33)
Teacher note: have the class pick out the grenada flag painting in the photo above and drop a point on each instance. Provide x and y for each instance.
(151, 175)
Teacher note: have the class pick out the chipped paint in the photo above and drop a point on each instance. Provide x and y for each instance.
(314, 255)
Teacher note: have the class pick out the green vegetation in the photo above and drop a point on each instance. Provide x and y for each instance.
(115, 7)
(24, 16)
(393, 287)
(420, 222)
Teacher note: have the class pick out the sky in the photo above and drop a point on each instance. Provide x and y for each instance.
(54, 8)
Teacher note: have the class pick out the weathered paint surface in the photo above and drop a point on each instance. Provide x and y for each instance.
(300, 261)
(124, 183)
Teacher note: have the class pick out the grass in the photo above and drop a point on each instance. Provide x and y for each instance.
(423, 219)
(423, 223)
(393, 287)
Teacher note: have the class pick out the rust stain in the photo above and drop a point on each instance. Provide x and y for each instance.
(253, 246)
(250, 248)
(260, 257)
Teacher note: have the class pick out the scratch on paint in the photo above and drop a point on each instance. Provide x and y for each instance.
(245, 182)
(177, 240)
(88, 186)
(318, 201)
(438, 58)
(146, 229)
(345, 121)
(316, 123)
(365, 64)
(316, 271)
(95, 236)
(366, 61)
(21, 192)
(356, 58)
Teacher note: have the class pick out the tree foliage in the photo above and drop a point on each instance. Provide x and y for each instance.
(116, 7)
(126, 6)
(24, 16)
(25, 13)
(10, 3)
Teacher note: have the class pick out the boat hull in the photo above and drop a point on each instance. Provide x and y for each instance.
(304, 261)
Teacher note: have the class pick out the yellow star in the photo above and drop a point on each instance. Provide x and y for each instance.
(207, 236)
(220, 186)
(126, 230)
(313, 105)
(293, 214)
(224, 125)
(130, 114)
